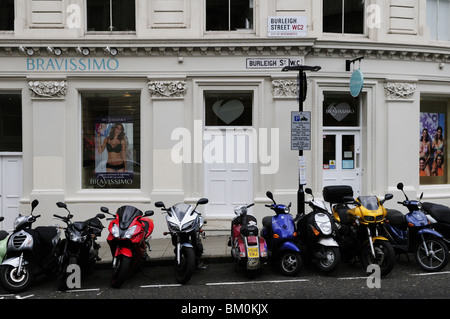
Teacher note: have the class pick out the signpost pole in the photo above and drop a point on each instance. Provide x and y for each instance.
(301, 98)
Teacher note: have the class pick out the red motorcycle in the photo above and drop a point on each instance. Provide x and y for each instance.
(248, 249)
(128, 239)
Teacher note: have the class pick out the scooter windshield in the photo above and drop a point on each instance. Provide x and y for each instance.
(180, 210)
(369, 202)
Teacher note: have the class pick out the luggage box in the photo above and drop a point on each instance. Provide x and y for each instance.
(335, 193)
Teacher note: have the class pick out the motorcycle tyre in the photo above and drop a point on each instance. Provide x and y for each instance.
(119, 275)
(290, 263)
(326, 267)
(419, 260)
(11, 286)
(61, 280)
(183, 272)
(388, 265)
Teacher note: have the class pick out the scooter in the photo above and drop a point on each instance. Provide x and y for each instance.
(281, 238)
(3, 241)
(30, 252)
(412, 233)
(128, 239)
(439, 216)
(317, 233)
(359, 231)
(185, 224)
(79, 247)
(248, 249)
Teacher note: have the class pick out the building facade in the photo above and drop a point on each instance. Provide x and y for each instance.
(108, 102)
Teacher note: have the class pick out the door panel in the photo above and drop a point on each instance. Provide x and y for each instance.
(10, 189)
(341, 155)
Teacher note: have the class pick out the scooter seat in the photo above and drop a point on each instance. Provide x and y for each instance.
(342, 209)
(439, 212)
(249, 230)
(3, 234)
(395, 217)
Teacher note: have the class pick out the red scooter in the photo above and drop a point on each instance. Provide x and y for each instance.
(248, 249)
(128, 239)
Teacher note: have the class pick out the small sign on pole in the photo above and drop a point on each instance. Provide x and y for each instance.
(301, 131)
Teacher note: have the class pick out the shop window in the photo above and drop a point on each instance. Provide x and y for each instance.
(433, 147)
(229, 15)
(111, 140)
(7, 15)
(340, 109)
(111, 15)
(228, 108)
(438, 12)
(10, 122)
(343, 16)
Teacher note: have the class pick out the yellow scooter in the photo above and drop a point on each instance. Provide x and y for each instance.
(358, 235)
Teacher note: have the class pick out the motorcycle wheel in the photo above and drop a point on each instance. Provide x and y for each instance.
(14, 283)
(384, 256)
(290, 262)
(438, 254)
(120, 272)
(332, 260)
(61, 279)
(184, 270)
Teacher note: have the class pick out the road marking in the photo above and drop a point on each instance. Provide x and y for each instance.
(431, 273)
(255, 282)
(161, 286)
(351, 278)
(19, 297)
(83, 290)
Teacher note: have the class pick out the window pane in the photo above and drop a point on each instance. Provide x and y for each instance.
(10, 122)
(443, 20)
(241, 14)
(228, 108)
(329, 151)
(111, 139)
(348, 151)
(340, 109)
(354, 16)
(217, 15)
(7, 15)
(99, 17)
(432, 18)
(332, 16)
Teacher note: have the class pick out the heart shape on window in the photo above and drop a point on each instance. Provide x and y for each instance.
(228, 111)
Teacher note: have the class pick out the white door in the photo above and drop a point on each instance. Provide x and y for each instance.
(10, 189)
(341, 159)
(228, 170)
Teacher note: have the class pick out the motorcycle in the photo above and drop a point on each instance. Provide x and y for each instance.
(281, 238)
(439, 216)
(185, 224)
(359, 231)
(3, 241)
(247, 247)
(411, 233)
(30, 252)
(128, 239)
(79, 247)
(317, 232)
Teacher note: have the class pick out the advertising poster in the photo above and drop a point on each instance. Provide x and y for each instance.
(432, 147)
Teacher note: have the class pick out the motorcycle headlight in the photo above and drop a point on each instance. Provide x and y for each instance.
(115, 231)
(324, 223)
(130, 232)
(174, 226)
(77, 237)
(188, 225)
(287, 209)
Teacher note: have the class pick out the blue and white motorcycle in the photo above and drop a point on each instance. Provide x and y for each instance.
(281, 238)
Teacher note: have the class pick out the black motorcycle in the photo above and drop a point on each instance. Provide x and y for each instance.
(79, 247)
(30, 252)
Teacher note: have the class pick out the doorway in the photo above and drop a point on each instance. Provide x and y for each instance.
(342, 159)
(10, 189)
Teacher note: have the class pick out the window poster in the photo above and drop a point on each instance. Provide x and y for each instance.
(113, 156)
(432, 148)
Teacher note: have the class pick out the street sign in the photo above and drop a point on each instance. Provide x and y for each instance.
(301, 131)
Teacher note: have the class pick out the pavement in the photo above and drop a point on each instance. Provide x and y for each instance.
(214, 245)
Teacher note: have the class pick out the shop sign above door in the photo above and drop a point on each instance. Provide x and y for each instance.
(72, 64)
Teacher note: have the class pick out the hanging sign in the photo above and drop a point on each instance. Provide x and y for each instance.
(356, 83)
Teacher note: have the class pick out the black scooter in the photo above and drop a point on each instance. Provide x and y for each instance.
(79, 247)
(30, 252)
(439, 216)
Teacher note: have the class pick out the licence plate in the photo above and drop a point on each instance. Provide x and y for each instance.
(252, 252)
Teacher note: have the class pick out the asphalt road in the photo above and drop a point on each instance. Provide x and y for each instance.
(221, 281)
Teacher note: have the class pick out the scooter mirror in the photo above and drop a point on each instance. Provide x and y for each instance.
(400, 186)
(269, 194)
(308, 191)
(61, 205)
(149, 213)
(104, 209)
(388, 197)
(202, 201)
(34, 203)
(159, 204)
